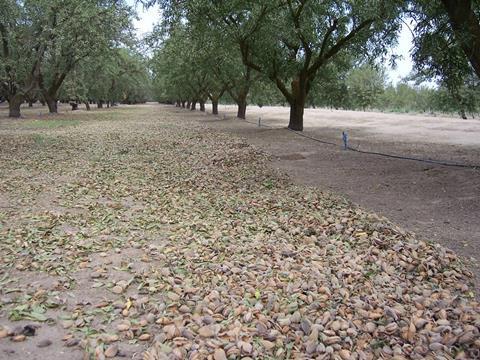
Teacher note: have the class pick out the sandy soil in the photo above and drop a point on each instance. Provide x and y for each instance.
(438, 203)
(407, 128)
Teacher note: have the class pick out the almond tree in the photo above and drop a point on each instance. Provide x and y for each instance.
(291, 41)
(23, 45)
(296, 40)
(446, 44)
(121, 75)
(81, 29)
(43, 40)
(198, 63)
(463, 16)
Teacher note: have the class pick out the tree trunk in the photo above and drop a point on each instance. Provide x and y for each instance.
(51, 102)
(242, 108)
(30, 103)
(215, 107)
(87, 105)
(108, 104)
(297, 105)
(177, 103)
(50, 93)
(100, 104)
(296, 117)
(14, 105)
(74, 106)
(194, 105)
(202, 105)
(183, 104)
(241, 100)
(189, 104)
(52, 106)
(215, 98)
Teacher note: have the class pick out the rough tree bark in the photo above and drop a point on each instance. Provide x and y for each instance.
(241, 93)
(297, 103)
(14, 104)
(202, 105)
(242, 109)
(215, 99)
(87, 105)
(100, 104)
(194, 105)
(51, 101)
(240, 99)
(215, 107)
(50, 93)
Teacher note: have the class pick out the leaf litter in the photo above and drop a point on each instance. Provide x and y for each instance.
(140, 234)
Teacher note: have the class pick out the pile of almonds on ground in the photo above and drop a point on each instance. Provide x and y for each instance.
(145, 235)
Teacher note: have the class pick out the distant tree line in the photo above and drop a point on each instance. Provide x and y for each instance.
(78, 51)
(365, 87)
(298, 53)
(304, 53)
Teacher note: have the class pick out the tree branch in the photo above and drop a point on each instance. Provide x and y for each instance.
(466, 27)
(3, 32)
(343, 42)
(280, 85)
(245, 49)
(298, 32)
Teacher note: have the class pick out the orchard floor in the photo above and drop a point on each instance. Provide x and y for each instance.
(438, 203)
(140, 232)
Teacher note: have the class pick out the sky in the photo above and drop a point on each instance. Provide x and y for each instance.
(149, 17)
(404, 65)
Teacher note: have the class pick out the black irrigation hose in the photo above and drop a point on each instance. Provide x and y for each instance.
(429, 161)
(312, 138)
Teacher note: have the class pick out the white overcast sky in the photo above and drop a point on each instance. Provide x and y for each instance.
(149, 17)
(404, 65)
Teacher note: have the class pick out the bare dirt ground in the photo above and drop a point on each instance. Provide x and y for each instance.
(138, 232)
(438, 203)
(391, 127)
